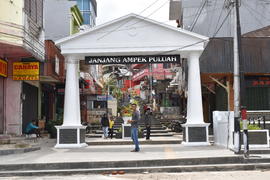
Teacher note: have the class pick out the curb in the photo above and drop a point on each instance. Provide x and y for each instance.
(130, 142)
(18, 151)
(158, 169)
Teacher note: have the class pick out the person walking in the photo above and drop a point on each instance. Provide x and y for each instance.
(134, 127)
(105, 125)
(147, 122)
(111, 124)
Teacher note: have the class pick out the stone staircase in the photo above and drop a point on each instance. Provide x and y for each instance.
(157, 129)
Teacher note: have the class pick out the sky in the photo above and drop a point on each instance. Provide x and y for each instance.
(108, 10)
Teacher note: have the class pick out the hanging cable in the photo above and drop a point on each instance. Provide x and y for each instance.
(196, 18)
(221, 12)
(127, 21)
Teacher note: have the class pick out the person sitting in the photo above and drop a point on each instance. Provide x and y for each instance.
(32, 129)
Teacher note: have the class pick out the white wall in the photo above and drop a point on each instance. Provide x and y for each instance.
(223, 125)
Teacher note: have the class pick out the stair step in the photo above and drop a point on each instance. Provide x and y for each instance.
(160, 134)
(159, 131)
(129, 167)
(129, 142)
(93, 135)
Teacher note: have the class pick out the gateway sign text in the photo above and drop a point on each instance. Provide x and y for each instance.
(132, 59)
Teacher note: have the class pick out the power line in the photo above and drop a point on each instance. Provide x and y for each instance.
(254, 10)
(186, 46)
(221, 12)
(222, 23)
(115, 30)
(202, 12)
(199, 14)
(127, 21)
(151, 13)
(251, 12)
(211, 20)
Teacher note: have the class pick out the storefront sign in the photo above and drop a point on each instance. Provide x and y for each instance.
(3, 68)
(263, 81)
(132, 59)
(26, 71)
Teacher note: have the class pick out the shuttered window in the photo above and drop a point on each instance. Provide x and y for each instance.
(258, 98)
(34, 9)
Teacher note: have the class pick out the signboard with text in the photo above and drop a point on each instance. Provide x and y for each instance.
(259, 81)
(3, 68)
(155, 59)
(28, 71)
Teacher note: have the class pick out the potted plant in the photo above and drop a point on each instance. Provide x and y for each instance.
(126, 112)
(257, 137)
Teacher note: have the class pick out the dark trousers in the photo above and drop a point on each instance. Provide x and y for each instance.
(111, 132)
(35, 131)
(148, 131)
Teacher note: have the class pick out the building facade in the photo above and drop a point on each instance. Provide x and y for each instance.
(216, 65)
(205, 16)
(21, 52)
(88, 9)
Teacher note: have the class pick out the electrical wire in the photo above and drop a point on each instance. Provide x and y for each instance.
(127, 21)
(196, 14)
(252, 13)
(186, 46)
(221, 12)
(211, 20)
(196, 18)
(150, 14)
(254, 10)
(222, 23)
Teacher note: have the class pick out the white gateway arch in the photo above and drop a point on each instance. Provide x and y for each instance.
(131, 35)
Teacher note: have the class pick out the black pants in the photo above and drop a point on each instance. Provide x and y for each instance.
(35, 131)
(111, 132)
(148, 131)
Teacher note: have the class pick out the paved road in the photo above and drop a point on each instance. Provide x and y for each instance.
(48, 154)
(230, 175)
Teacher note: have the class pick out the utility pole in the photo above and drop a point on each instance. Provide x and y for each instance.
(239, 87)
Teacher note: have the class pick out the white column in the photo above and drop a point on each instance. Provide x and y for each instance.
(194, 101)
(72, 114)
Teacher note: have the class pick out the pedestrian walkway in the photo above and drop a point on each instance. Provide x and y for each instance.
(107, 158)
(176, 139)
(48, 154)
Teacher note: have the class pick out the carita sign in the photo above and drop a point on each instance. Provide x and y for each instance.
(132, 59)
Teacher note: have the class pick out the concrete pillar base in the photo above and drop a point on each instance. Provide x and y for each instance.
(70, 137)
(196, 134)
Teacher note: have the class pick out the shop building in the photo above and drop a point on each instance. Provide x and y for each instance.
(216, 64)
(3, 75)
(21, 44)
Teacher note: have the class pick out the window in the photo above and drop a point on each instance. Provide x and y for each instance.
(86, 7)
(258, 98)
(86, 17)
(34, 9)
(56, 69)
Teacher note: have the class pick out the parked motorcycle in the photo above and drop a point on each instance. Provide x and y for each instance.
(176, 125)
